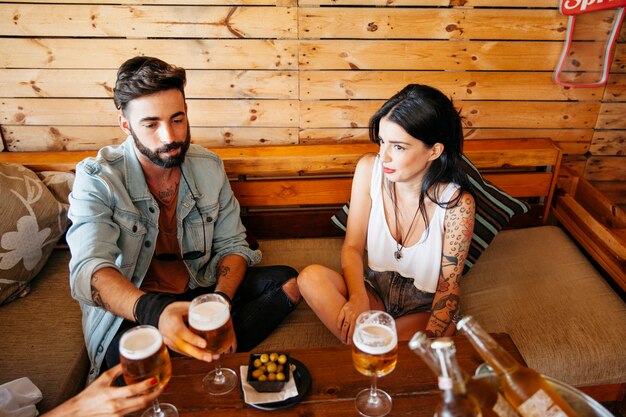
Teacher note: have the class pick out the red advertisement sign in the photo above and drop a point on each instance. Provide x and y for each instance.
(572, 7)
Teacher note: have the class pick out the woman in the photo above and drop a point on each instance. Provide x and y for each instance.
(412, 209)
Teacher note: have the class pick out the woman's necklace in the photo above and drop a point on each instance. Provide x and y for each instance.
(400, 242)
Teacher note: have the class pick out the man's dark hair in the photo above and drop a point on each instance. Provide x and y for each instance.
(143, 75)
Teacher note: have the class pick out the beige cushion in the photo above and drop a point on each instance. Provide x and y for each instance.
(59, 183)
(32, 223)
(299, 253)
(537, 286)
(42, 336)
(301, 328)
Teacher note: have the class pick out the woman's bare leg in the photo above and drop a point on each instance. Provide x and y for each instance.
(409, 324)
(325, 291)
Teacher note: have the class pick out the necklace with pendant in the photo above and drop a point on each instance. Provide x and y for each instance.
(400, 242)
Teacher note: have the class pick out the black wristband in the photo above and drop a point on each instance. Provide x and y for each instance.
(226, 297)
(149, 307)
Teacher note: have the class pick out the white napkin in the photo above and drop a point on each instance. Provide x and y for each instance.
(252, 396)
(18, 398)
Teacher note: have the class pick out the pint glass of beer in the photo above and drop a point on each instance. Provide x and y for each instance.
(143, 355)
(374, 354)
(209, 317)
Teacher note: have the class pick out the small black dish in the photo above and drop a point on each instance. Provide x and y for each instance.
(302, 378)
(267, 386)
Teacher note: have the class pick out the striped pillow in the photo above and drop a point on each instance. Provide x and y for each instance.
(494, 209)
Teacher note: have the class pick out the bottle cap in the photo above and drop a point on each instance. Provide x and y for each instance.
(417, 340)
(442, 343)
(462, 322)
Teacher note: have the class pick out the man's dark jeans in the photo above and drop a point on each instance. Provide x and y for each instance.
(259, 306)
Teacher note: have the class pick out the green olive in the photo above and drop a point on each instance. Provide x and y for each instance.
(271, 367)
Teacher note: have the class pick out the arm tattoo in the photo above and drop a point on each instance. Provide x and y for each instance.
(223, 271)
(95, 293)
(443, 312)
(450, 261)
(459, 225)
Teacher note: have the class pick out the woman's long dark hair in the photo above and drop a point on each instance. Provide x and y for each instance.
(428, 115)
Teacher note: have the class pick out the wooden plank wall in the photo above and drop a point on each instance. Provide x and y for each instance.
(287, 72)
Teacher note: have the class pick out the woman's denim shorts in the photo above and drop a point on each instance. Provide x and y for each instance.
(397, 293)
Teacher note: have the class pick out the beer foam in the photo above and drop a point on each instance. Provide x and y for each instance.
(208, 316)
(140, 343)
(375, 339)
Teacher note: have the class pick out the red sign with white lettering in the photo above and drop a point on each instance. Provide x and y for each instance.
(572, 7)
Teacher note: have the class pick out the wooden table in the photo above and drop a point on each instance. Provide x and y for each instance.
(335, 383)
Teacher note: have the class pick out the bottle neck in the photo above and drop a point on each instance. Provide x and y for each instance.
(498, 358)
(451, 378)
(420, 344)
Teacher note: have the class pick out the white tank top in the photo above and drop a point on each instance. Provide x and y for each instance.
(421, 261)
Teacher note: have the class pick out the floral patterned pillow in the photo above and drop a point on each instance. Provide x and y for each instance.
(59, 183)
(32, 222)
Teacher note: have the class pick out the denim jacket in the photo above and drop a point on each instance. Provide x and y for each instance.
(115, 224)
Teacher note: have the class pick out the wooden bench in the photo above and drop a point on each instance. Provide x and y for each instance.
(291, 191)
(596, 222)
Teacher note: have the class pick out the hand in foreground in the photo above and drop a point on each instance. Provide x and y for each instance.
(102, 399)
(177, 335)
(348, 315)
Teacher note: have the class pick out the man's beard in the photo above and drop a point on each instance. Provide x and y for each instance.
(156, 156)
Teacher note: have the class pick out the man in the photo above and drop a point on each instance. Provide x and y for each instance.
(155, 223)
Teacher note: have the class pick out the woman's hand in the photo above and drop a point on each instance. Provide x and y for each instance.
(348, 315)
(101, 398)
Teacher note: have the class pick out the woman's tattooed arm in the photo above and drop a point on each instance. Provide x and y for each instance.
(459, 226)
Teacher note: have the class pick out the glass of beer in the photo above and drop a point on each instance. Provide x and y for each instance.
(143, 355)
(374, 354)
(209, 317)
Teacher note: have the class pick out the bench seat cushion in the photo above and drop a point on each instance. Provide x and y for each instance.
(42, 337)
(301, 328)
(536, 285)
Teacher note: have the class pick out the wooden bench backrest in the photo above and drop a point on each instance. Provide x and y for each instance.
(293, 190)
